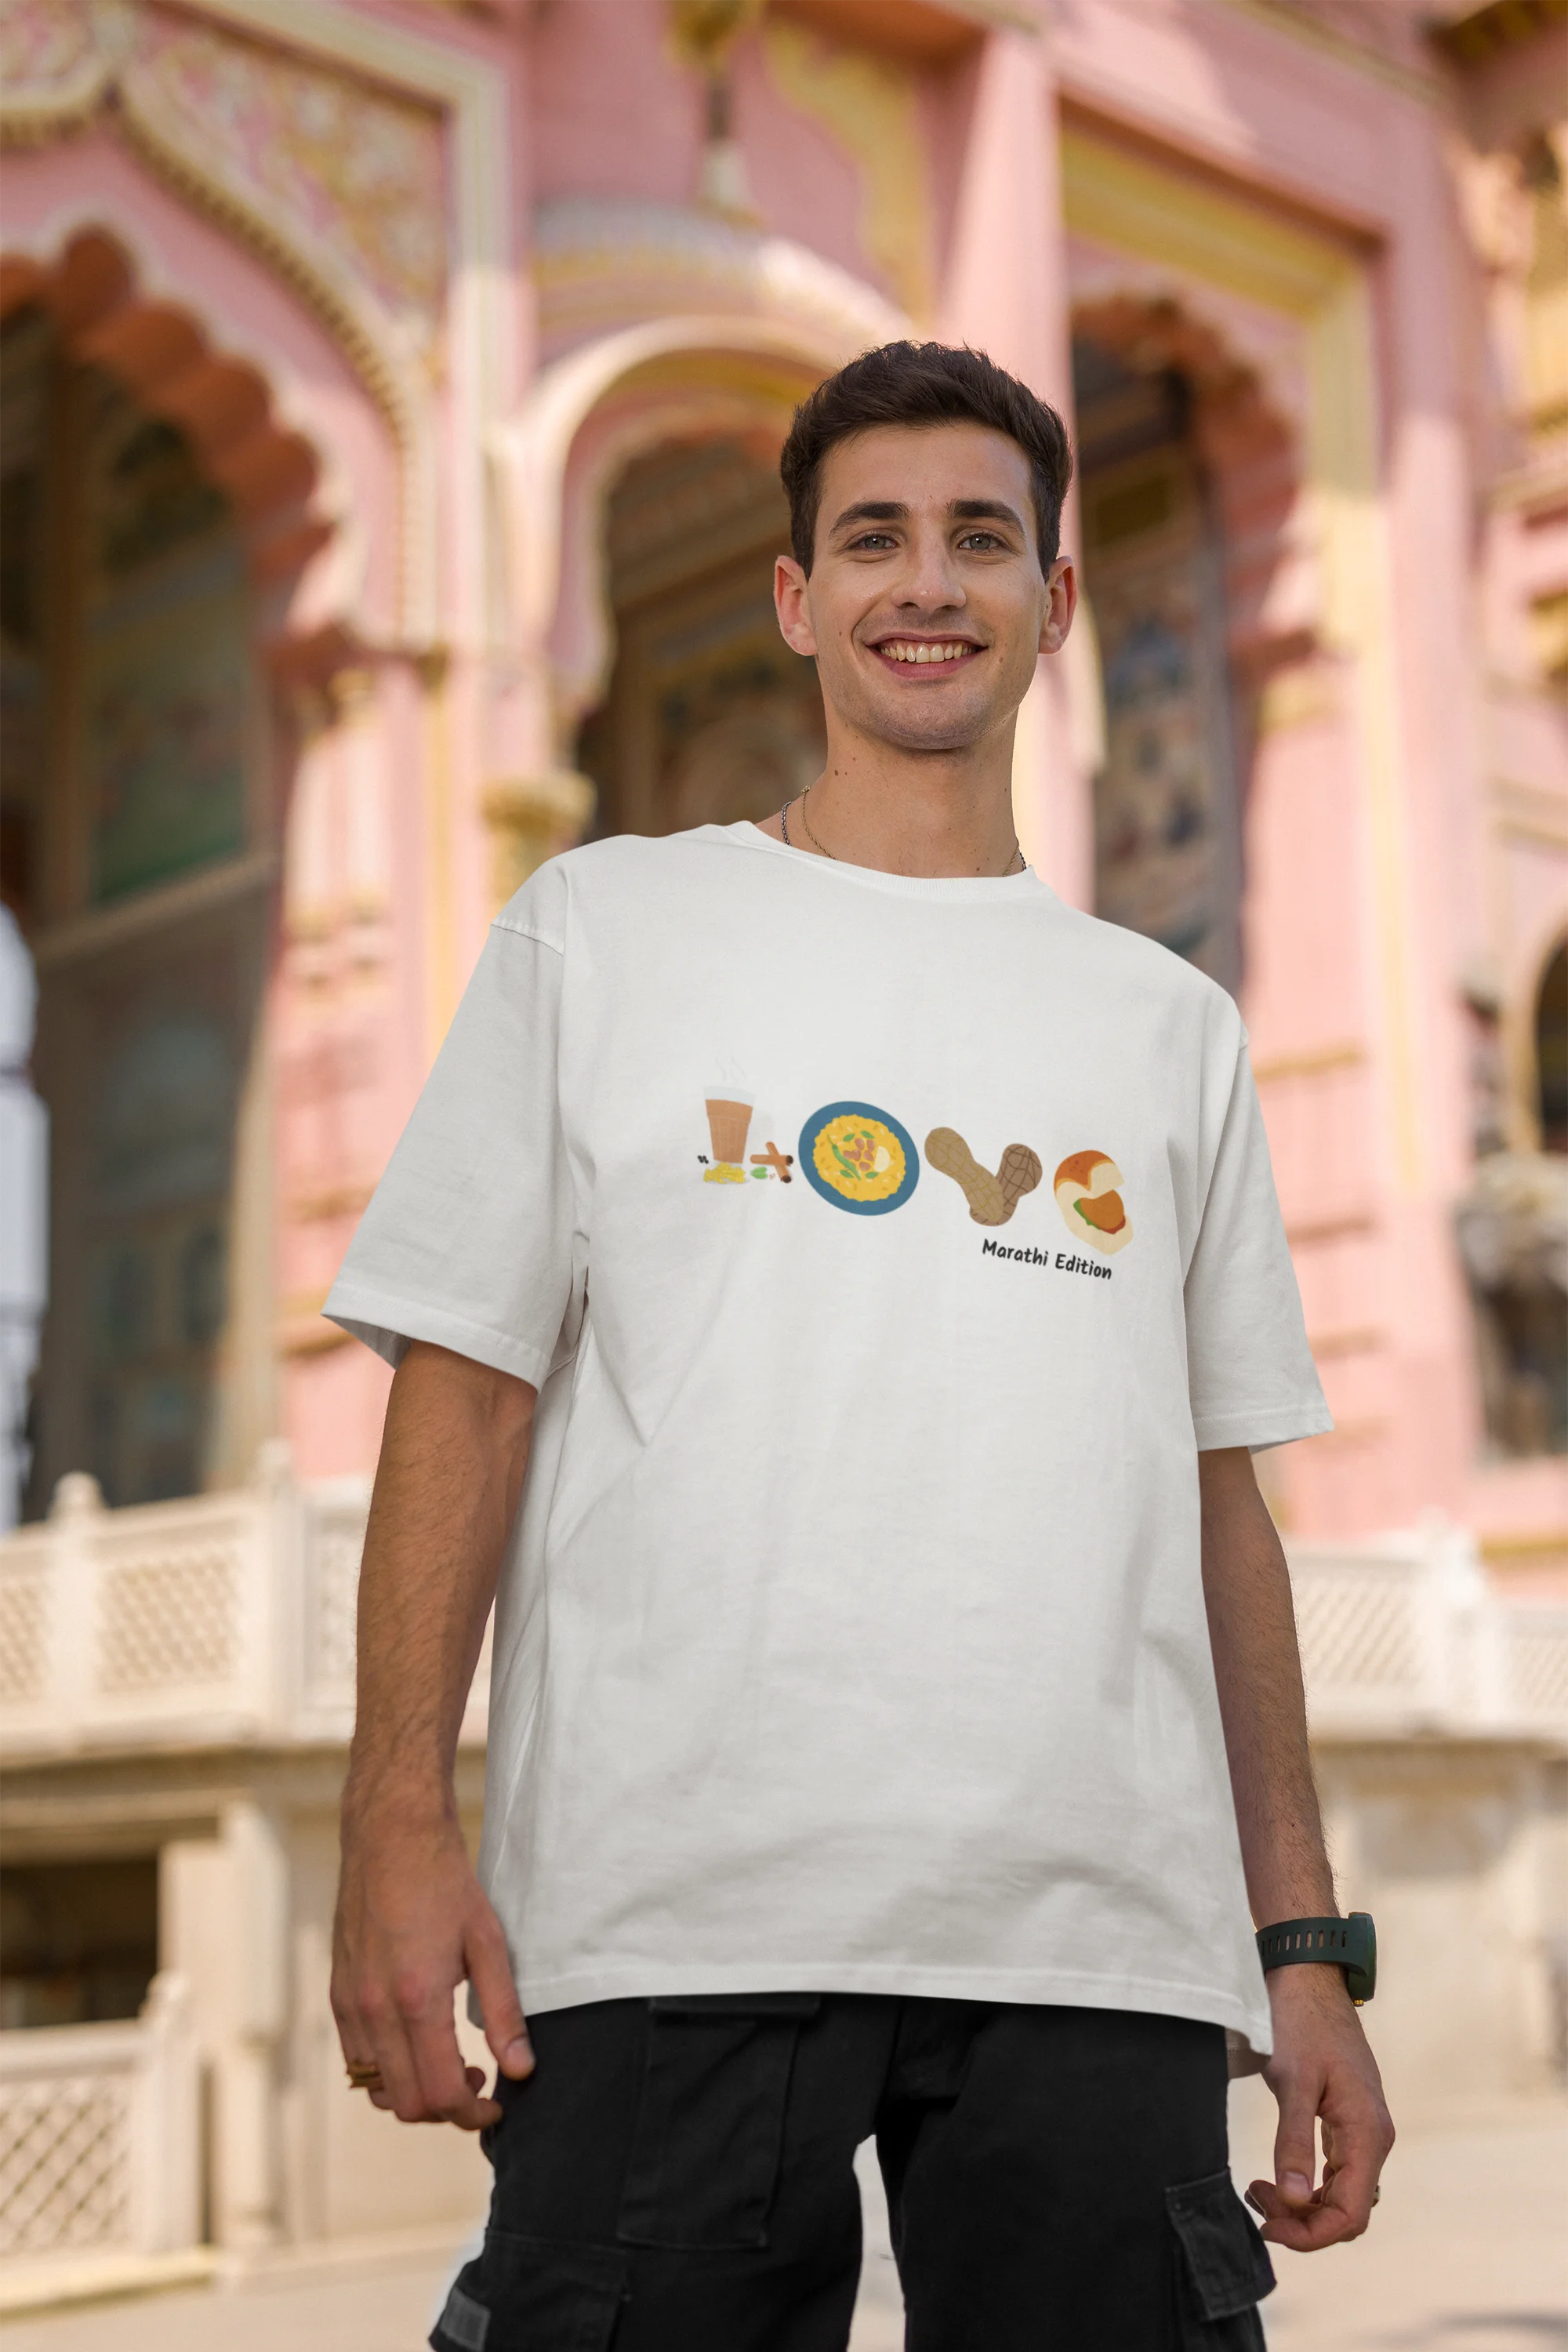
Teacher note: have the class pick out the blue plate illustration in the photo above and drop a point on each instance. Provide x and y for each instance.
(859, 1158)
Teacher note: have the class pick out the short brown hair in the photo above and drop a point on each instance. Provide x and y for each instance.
(924, 384)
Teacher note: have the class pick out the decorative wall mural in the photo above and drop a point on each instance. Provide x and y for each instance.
(151, 497)
(49, 54)
(168, 690)
(1166, 851)
(1153, 812)
(166, 668)
(359, 171)
(164, 1114)
(325, 167)
(155, 1228)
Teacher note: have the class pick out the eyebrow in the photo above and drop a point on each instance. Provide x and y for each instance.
(984, 510)
(872, 510)
(961, 510)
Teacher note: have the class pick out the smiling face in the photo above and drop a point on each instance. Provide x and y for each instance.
(926, 606)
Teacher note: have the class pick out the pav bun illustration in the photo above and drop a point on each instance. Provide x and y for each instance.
(1092, 1208)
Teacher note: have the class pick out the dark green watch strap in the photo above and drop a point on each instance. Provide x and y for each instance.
(1349, 1944)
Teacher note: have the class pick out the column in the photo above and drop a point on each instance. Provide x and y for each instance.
(1006, 292)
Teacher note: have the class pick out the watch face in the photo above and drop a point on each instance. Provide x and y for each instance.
(859, 1158)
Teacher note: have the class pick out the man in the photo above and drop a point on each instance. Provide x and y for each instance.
(876, 1265)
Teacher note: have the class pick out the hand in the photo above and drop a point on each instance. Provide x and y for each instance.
(1321, 2067)
(413, 1922)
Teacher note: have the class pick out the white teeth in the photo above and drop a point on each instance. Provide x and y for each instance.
(904, 651)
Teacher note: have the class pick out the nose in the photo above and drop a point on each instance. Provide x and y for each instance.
(932, 582)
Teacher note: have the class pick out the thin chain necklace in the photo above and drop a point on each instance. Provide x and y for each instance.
(824, 850)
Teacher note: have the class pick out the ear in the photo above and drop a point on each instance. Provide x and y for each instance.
(1061, 588)
(792, 604)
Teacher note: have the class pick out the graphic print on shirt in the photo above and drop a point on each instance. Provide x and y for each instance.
(1092, 1208)
(730, 1107)
(859, 1158)
(992, 1198)
(730, 1111)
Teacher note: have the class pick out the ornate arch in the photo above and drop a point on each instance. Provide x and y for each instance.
(366, 163)
(671, 379)
(691, 375)
(269, 469)
(1546, 940)
(1251, 452)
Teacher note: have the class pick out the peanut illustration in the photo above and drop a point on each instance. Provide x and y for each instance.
(992, 1198)
(1019, 1172)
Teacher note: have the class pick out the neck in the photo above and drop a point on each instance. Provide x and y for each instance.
(928, 815)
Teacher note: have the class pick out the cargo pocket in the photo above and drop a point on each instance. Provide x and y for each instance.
(533, 2295)
(710, 2126)
(1224, 2269)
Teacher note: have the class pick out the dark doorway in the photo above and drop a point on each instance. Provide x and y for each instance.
(1167, 829)
(1552, 1053)
(79, 1940)
(133, 720)
(709, 718)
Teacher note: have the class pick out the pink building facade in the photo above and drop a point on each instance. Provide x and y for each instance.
(391, 395)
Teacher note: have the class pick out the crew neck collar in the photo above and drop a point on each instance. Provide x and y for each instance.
(954, 889)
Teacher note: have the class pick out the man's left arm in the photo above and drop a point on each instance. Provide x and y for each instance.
(1321, 2064)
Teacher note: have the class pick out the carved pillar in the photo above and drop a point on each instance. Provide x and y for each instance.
(1006, 292)
(531, 818)
(248, 2183)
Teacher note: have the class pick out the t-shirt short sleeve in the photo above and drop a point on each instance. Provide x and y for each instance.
(469, 1241)
(1250, 1373)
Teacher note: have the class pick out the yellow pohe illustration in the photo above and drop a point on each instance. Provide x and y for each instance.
(860, 1158)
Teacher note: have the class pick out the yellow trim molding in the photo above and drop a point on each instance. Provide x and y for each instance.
(869, 106)
(1312, 1062)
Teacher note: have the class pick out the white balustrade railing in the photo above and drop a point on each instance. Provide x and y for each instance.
(219, 1620)
(101, 2135)
(1405, 1634)
(230, 1618)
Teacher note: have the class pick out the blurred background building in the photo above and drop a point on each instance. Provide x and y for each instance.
(390, 401)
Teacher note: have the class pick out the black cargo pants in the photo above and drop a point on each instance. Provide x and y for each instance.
(678, 2176)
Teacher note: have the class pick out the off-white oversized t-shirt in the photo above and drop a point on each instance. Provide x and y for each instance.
(884, 1252)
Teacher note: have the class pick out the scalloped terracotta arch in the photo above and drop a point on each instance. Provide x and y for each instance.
(161, 353)
(1234, 417)
(1253, 458)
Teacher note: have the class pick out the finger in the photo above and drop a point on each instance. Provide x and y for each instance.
(1295, 2142)
(444, 2085)
(355, 2041)
(490, 1973)
(1301, 2228)
(384, 2025)
(1351, 2188)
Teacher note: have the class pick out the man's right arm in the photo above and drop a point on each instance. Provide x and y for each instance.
(413, 1922)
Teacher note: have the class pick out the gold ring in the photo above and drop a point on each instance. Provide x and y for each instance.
(364, 2075)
